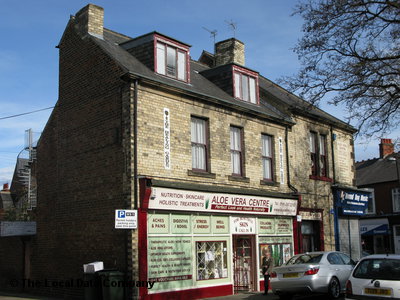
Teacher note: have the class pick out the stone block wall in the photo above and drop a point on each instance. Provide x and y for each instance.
(150, 149)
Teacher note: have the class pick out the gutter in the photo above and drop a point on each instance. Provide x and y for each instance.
(340, 124)
(215, 100)
(135, 155)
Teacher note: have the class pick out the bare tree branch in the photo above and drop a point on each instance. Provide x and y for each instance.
(351, 49)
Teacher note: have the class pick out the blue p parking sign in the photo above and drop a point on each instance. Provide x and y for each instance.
(125, 219)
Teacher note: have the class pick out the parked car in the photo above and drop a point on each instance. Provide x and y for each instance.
(375, 277)
(312, 272)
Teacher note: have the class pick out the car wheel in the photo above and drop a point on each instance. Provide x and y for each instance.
(285, 296)
(334, 289)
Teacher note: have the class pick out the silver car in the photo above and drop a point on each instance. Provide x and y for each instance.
(312, 272)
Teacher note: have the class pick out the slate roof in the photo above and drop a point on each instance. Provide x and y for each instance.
(378, 170)
(279, 111)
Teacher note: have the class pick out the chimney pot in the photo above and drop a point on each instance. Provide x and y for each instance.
(229, 51)
(90, 19)
(386, 147)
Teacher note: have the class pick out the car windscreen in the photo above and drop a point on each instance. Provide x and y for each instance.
(305, 259)
(384, 269)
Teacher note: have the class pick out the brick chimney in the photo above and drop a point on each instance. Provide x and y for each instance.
(229, 51)
(386, 147)
(5, 188)
(90, 19)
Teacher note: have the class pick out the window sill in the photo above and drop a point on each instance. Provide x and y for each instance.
(270, 183)
(321, 178)
(203, 174)
(239, 178)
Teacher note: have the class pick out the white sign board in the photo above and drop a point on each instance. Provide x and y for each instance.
(241, 225)
(281, 170)
(167, 140)
(125, 219)
(17, 228)
(174, 199)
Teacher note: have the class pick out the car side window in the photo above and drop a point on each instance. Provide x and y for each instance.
(334, 259)
(347, 260)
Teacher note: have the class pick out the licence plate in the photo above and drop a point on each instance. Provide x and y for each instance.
(290, 275)
(384, 292)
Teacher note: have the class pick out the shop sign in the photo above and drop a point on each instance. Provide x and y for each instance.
(281, 170)
(220, 224)
(170, 262)
(351, 202)
(174, 199)
(167, 140)
(311, 215)
(283, 226)
(266, 226)
(158, 223)
(374, 227)
(275, 239)
(201, 224)
(243, 225)
(181, 224)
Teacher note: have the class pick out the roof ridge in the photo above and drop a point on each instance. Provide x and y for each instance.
(117, 33)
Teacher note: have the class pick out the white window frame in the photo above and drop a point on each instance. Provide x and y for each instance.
(162, 47)
(236, 150)
(269, 157)
(396, 197)
(372, 191)
(199, 141)
(243, 77)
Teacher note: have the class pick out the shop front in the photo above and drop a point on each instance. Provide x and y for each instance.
(203, 244)
(350, 205)
(375, 235)
(312, 230)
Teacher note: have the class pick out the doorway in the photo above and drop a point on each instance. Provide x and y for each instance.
(310, 236)
(244, 263)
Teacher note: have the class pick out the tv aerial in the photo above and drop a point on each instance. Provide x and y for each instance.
(233, 26)
(212, 32)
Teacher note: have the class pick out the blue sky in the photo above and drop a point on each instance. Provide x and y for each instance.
(30, 31)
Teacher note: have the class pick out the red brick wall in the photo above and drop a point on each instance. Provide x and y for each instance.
(383, 197)
(80, 169)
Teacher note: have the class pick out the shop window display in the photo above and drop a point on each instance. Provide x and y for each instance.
(211, 260)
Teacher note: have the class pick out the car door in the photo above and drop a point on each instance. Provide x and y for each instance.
(338, 268)
(347, 267)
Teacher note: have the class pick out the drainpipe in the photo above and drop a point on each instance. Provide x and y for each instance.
(334, 207)
(287, 163)
(333, 138)
(295, 191)
(133, 130)
(135, 155)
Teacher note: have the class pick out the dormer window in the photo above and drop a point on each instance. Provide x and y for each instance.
(172, 59)
(245, 85)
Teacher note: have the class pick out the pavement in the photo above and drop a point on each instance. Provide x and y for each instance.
(21, 296)
(270, 296)
(248, 295)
